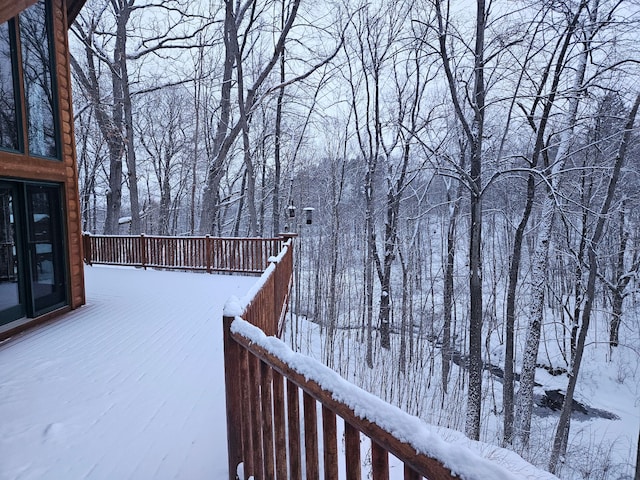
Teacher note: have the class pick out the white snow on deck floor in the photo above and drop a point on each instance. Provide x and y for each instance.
(130, 386)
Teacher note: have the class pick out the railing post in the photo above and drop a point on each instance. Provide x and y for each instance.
(86, 243)
(352, 452)
(233, 398)
(279, 425)
(293, 426)
(310, 436)
(330, 444)
(275, 320)
(207, 252)
(410, 473)
(143, 251)
(266, 394)
(379, 461)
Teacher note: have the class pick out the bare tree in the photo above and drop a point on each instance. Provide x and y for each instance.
(110, 49)
(163, 137)
(473, 130)
(524, 404)
(559, 441)
(551, 77)
(239, 28)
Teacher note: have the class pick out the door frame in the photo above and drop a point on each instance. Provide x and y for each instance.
(25, 254)
(18, 310)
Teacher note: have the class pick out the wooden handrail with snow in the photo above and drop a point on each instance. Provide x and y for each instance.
(261, 420)
(272, 421)
(210, 254)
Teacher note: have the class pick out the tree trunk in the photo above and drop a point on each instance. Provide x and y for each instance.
(238, 220)
(474, 400)
(516, 255)
(121, 59)
(616, 316)
(197, 86)
(390, 240)
(209, 211)
(447, 300)
(278, 141)
(368, 268)
(619, 284)
(404, 315)
(524, 406)
(514, 273)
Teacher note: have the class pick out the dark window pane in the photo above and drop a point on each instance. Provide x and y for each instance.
(34, 36)
(8, 114)
(11, 302)
(46, 247)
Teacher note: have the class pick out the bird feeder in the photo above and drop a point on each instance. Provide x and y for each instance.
(308, 213)
(291, 210)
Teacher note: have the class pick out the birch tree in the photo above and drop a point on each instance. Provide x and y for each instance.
(524, 405)
(550, 79)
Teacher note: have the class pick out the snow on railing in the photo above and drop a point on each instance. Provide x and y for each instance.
(210, 254)
(266, 438)
(265, 305)
(274, 396)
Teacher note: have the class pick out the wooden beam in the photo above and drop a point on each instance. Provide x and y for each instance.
(73, 9)
(11, 8)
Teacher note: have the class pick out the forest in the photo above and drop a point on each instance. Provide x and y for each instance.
(473, 173)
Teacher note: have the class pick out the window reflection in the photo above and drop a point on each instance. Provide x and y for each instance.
(34, 36)
(8, 115)
(9, 291)
(45, 243)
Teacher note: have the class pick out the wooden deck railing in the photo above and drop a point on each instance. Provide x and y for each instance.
(211, 254)
(273, 430)
(272, 419)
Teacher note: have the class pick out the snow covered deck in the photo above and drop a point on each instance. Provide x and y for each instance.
(129, 386)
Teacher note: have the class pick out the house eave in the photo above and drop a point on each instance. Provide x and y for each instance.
(11, 8)
(73, 9)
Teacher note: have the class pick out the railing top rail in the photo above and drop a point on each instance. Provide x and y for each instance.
(203, 253)
(401, 434)
(236, 307)
(253, 239)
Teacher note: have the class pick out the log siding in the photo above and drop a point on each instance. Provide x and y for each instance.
(22, 166)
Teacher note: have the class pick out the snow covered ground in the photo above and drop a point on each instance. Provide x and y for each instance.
(128, 386)
(131, 385)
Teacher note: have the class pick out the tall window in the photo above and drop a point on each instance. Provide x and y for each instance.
(38, 85)
(8, 110)
(31, 30)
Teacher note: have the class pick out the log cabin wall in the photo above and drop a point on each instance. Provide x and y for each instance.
(72, 194)
(11, 8)
(22, 167)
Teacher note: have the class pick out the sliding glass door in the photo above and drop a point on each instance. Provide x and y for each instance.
(12, 301)
(46, 248)
(32, 263)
